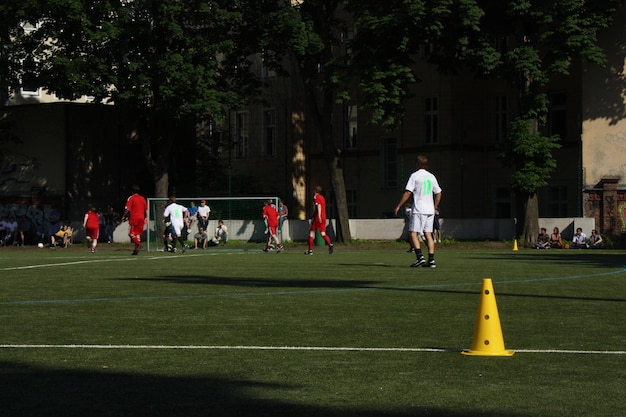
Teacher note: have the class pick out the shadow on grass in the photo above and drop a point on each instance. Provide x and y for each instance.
(27, 391)
(500, 294)
(590, 257)
(257, 282)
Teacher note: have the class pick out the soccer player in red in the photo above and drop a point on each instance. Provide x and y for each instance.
(135, 212)
(318, 222)
(270, 215)
(91, 223)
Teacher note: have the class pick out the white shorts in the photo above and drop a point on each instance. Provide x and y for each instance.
(421, 223)
(177, 227)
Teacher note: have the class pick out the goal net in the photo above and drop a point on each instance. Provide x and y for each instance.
(241, 215)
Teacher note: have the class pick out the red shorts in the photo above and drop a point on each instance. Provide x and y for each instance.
(92, 232)
(135, 229)
(316, 225)
(272, 230)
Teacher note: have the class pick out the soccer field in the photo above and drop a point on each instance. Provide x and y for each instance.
(239, 332)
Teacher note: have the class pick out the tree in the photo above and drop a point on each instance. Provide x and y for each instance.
(14, 16)
(320, 70)
(543, 40)
(164, 63)
(388, 37)
(378, 59)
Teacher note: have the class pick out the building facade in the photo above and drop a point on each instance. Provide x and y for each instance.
(459, 122)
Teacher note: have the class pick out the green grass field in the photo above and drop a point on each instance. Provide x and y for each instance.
(238, 332)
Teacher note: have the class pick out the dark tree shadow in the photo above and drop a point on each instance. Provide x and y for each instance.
(27, 391)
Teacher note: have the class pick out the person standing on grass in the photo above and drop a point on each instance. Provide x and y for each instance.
(91, 224)
(177, 215)
(135, 212)
(318, 222)
(426, 192)
(271, 216)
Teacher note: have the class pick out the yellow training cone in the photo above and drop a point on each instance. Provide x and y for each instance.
(488, 340)
(515, 244)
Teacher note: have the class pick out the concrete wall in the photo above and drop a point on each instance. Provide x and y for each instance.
(389, 229)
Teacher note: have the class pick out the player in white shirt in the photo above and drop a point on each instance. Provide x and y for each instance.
(426, 192)
(204, 212)
(177, 215)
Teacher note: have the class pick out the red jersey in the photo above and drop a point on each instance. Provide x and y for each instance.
(137, 207)
(271, 215)
(320, 204)
(92, 220)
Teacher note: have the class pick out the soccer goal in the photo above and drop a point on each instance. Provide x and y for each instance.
(242, 216)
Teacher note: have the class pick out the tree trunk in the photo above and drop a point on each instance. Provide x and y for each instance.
(161, 184)
(323, 119)
(341, 200)
(320, 98)
(530, 221)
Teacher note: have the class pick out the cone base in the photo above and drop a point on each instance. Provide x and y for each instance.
(485, 353)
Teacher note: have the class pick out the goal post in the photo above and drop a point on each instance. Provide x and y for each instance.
(242, 216)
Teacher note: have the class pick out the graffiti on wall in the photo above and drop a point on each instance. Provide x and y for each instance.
(16, 171)
(618, 140)
(622, 216)
(31, 218)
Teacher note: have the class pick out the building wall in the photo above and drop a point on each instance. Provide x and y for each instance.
(69, 156)
(604, 133)
(37, 160)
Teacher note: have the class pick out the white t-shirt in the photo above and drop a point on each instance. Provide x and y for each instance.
(176, 212)
(11, 226)
(423, 185)
(204, 211)
(220, 231)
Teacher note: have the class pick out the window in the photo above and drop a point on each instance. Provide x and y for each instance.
(500, 44)
(266, 71)
(556, 201)
(269, 132)
(390, 163)
(351, 127)
(501, 119)
(431, 120)
(30, 87)
(241, 135)
(426, 49)
(351, 196)
(347, 35)
(557, 115)
(502, 203)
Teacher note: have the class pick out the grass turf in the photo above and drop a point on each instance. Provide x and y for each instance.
(237, 332)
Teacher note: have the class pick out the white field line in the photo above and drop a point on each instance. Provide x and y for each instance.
(129, 259)
(301, 348)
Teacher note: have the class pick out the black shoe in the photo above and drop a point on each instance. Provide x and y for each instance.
(331, 249)
(135, 252)
(410, 250)
(419, 262)
(430, 264)
(308, 252)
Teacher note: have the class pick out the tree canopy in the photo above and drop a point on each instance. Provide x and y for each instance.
(167, 61)
(528, 43)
